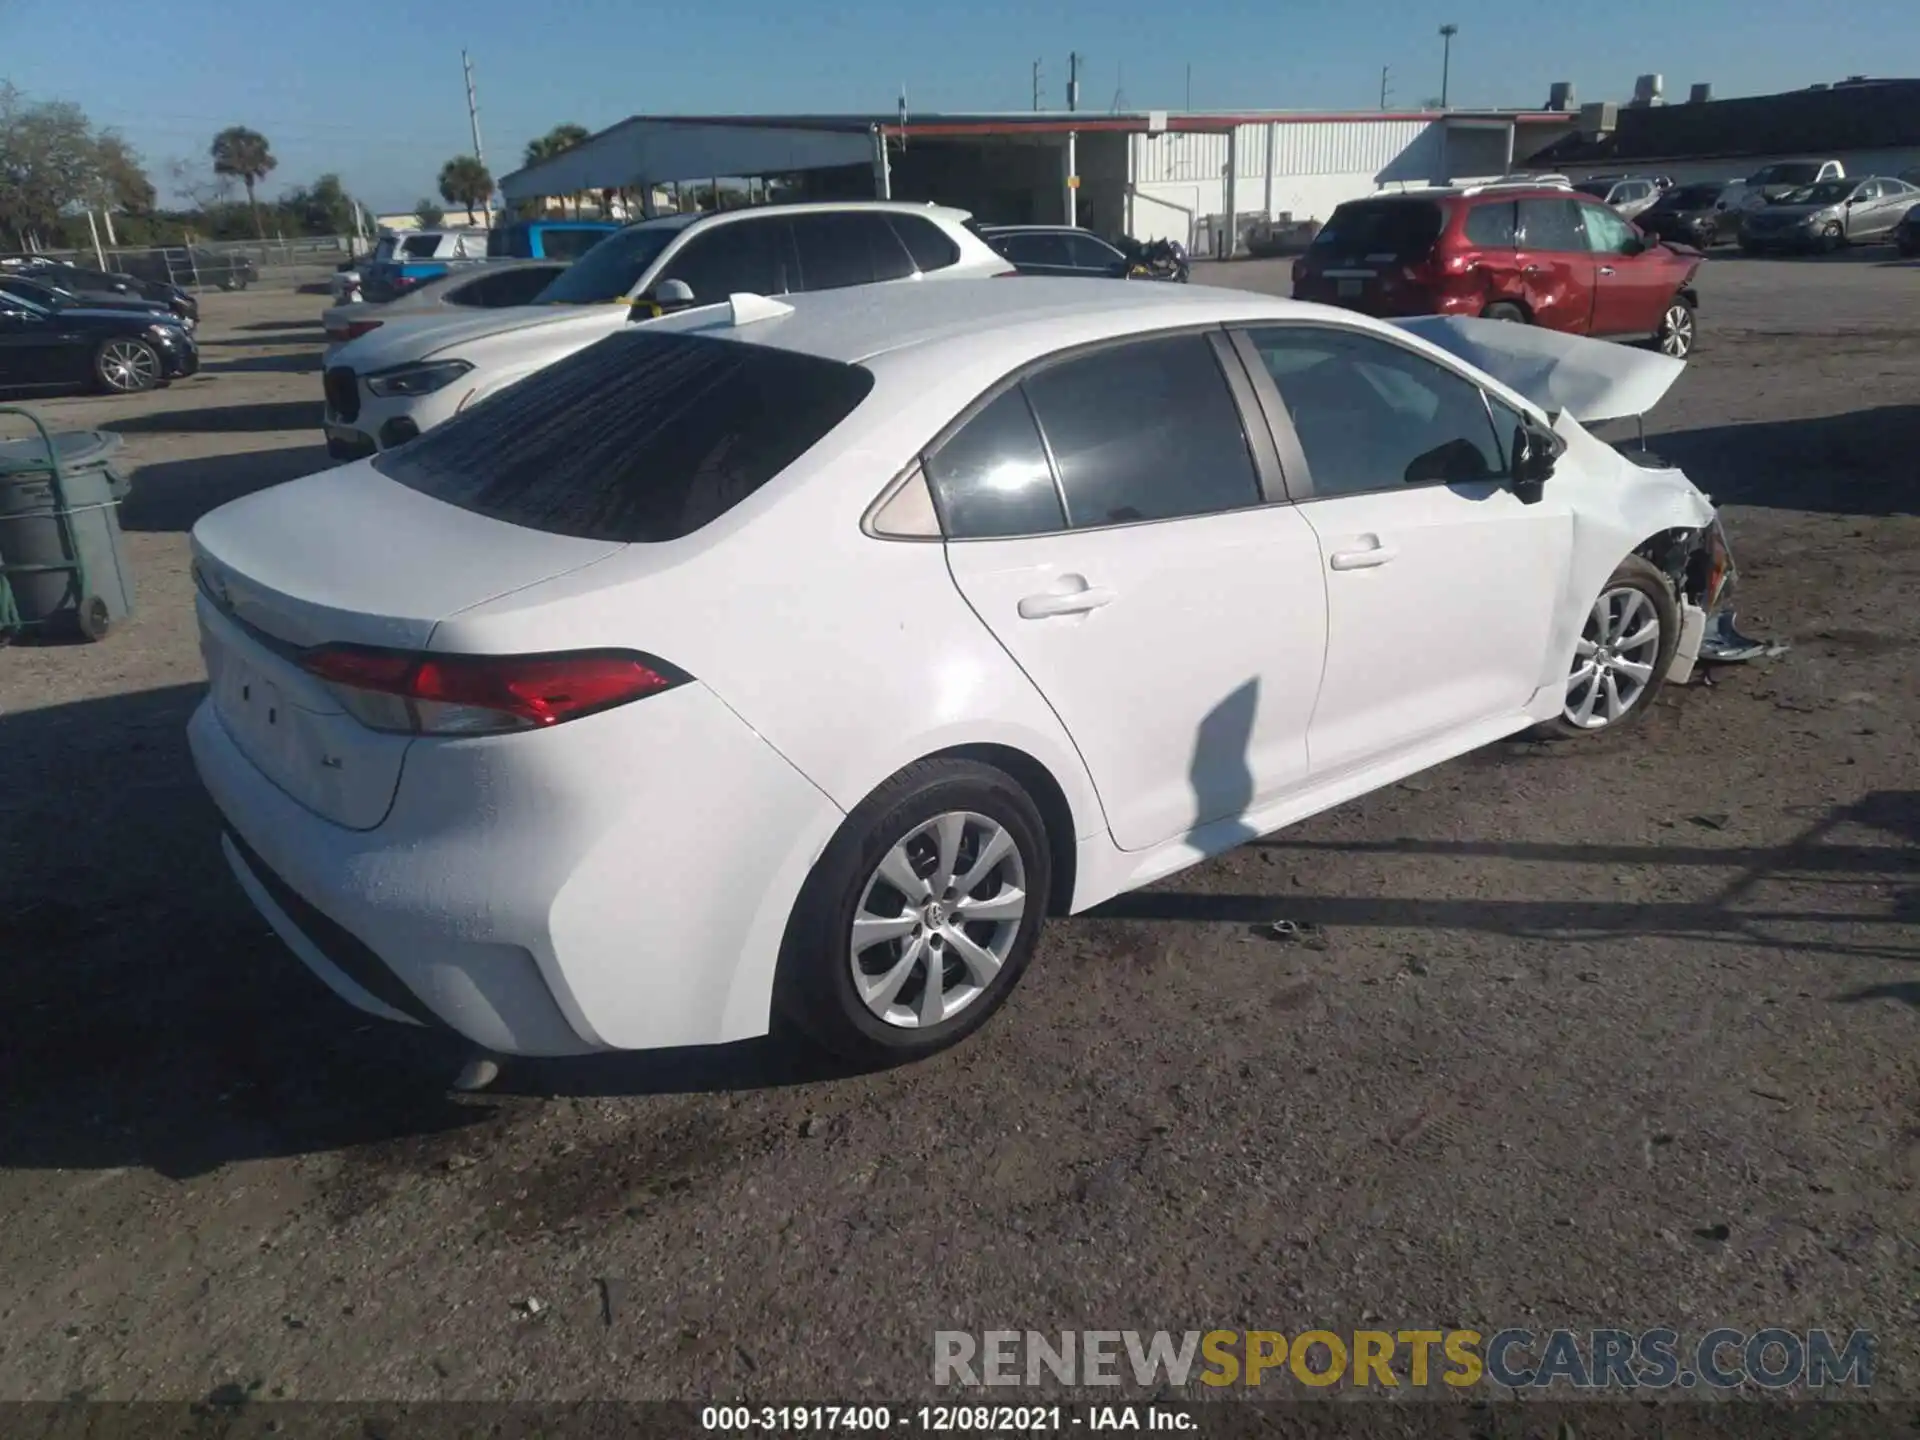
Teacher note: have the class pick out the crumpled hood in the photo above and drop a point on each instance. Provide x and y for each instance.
(1592, 380)
(403, 338)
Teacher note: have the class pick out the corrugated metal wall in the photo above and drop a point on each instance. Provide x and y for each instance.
(1333, 147)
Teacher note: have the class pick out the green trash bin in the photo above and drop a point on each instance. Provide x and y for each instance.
(61, 563)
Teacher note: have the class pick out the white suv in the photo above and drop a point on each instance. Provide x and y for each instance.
(406, 377)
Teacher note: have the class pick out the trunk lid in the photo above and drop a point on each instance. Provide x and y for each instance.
(343, 557)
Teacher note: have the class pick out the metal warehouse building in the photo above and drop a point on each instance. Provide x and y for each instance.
(1191, 176)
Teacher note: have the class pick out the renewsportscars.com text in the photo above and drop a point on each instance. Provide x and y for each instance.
(1584, 1360)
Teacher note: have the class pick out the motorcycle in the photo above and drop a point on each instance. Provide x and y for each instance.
(1156, 260)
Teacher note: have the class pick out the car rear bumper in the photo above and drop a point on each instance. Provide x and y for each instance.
(625, 885)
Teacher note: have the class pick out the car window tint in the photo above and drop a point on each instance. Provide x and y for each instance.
(417, 247)
(1038, 248)
(840, 250)
(1399, 230)
(991, 476)
(1506, 420)
(645, 436)
(1492, 225)
(1607, 233)
(1551, 225)
(741, 257)
(1091, 254)
(1371, 415)
(1144, 431)
(930, 246)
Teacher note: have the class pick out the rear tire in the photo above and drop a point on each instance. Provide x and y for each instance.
(1504, 310)
(869, 997)
(1618, 667)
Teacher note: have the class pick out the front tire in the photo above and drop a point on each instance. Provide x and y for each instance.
(1621, 660)
(920, 916)
(1676, 334)
(1833, 236)
(126, 366)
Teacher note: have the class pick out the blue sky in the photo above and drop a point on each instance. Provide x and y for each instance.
(374, 90)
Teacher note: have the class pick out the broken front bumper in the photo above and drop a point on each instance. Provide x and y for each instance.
(1722, 643)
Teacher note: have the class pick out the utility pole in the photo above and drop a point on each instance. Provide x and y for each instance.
(1189, 85)
(1447, 32)
(1384, 92)
(1073, 164)
(473, 119)
(1036, 84)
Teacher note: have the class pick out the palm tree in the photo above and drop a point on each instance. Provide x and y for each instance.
(556, 141)
(245, 154)
(464, 181)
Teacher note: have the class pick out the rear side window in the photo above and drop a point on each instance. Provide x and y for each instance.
(420, 247)
(1551, 225)
(841, 250)
(646, 436)
(929, 245)
(991, 478)
(1144, 431)
(1038, 248)
(1493, 225)
(569, 244)
(1401, 230)
(1092, 254)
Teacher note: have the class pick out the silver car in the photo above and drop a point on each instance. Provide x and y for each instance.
(1829, 215)
(487, 285)
(1628, 195)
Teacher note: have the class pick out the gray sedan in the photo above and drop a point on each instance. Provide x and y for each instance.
(1829, 215)
(486, 285)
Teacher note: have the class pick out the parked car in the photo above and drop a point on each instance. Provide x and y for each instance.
(1627, 194)
(415, 258)
(62, 342)
(403, 379)
(1694, 214)
(1540, 254)
(48, 295)
(1906, 235)
(194, 267)
(547, 239)
(505, 742)
(493, 286)
(1829, 215)
(1771, 182)
(103, 284)
(1061, 250)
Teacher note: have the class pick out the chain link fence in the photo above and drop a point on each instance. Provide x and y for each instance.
(302, 262)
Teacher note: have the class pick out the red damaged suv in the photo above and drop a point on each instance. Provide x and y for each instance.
(1541, 254)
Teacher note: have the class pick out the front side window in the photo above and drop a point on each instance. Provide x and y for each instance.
(569, 244)
(841, 250)
(1144, 431)
(612, 269)
(1371, 415)
(644, 437)
(739, 257)
(1091, 254)
(1551, 225)
(1037, 248)
(991, 477)
(1607, 233)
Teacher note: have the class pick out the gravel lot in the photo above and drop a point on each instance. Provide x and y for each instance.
(1622, 1034)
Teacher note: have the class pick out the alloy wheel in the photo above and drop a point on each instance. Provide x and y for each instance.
(1614, 658)
(128, 366)
(937, 919)
(1676, 332)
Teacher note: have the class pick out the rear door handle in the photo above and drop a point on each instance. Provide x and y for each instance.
(1606, 269)
(1362, 559)
(1070, 602)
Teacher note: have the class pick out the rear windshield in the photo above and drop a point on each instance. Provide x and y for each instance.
(1689, 197)
(1796, 173)
(646, 436)
(1393, 229)
(611, 269)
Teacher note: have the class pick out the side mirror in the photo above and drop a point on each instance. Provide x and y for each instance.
(672, 294)
(1534, 453)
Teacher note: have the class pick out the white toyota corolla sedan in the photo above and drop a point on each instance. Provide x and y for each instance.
(798, 657)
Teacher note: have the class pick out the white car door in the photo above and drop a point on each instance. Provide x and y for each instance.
(1442, 582)
(1108, 518)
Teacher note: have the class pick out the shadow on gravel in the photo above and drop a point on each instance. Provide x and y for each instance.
(151, 1018)
(264, 326)
(298, 362)
(1860, 463)
(172, 494)
(225, 419)
(300, 335)
(1743, 912)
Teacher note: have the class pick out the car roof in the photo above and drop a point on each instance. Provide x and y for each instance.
(1021, 317)
(825, 207)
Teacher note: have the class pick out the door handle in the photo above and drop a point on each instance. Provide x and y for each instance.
(1529, 269)
(1606, 269)
(1067, 602)
(1362, 559)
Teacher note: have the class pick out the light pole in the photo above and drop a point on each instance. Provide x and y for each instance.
(1447, 32)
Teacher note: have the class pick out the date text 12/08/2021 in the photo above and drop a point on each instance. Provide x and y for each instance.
(939, 1419)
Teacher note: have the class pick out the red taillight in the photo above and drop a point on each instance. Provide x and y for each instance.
(482, 694)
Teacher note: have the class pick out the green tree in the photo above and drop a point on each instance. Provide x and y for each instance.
(322, 208)
(557, 141)
(430, 215)
(245, 155)
(465, 182)
(49, 162)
